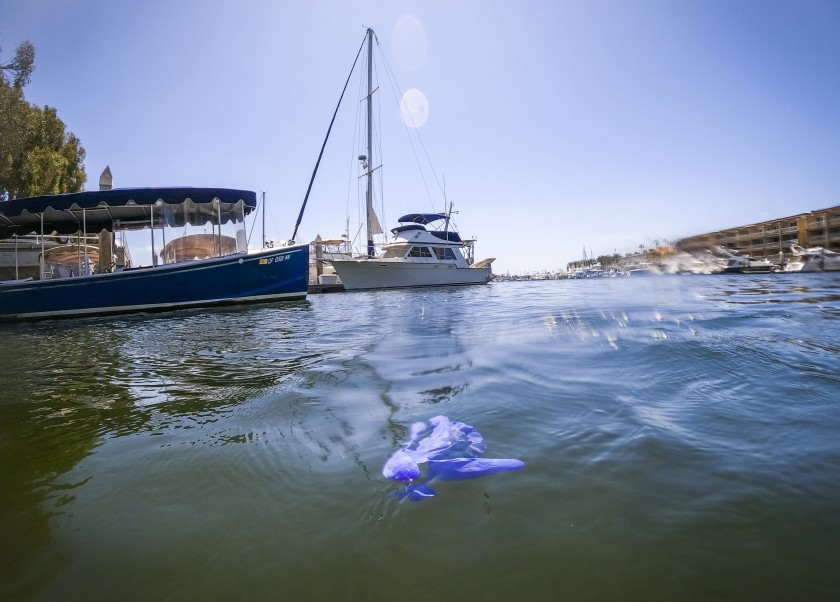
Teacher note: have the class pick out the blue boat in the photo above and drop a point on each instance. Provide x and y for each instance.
(191, 271)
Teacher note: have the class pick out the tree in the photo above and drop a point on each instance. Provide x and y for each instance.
(37, 154)
(23, 64)
(605, 260)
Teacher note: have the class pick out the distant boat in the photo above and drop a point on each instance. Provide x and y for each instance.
(817, 259)
(794, 264)
(644, 269)
(203, 270)
(414, 256)
(744, 264)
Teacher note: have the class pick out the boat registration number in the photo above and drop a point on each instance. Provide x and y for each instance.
(274, 259)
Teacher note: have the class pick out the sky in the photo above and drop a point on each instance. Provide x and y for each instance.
(552, 126)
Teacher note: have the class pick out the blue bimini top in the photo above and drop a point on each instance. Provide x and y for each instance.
(123, 209)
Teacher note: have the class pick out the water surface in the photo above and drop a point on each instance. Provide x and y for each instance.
(679, 436)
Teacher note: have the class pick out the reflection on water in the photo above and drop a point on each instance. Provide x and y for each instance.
(679, 436)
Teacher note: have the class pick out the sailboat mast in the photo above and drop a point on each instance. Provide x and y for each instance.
(369, 196)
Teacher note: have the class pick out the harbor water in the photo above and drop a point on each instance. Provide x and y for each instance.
(680, 435)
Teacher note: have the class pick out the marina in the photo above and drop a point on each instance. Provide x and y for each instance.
(442, 397)
(779, 241)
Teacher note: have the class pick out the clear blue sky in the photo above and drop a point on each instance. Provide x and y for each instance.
(556, 125)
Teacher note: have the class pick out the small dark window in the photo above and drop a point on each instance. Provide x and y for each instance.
(444, 253)
(419, 252)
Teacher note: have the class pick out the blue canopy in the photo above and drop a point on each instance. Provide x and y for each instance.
(422, 218)
(447, 235)
(123, 208)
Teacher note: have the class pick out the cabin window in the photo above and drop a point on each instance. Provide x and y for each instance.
(444, 253)
(398, 252)
(419, 252)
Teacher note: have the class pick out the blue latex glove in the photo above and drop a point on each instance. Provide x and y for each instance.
(450, 448)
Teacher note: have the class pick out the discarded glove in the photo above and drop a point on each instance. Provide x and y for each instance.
(451, 450)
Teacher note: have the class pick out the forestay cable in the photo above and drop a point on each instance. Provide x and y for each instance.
(321, 154)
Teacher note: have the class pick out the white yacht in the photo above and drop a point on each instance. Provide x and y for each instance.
(743, 264)
(817, 259)
(644, 269)
(414, 256)
(417, 256)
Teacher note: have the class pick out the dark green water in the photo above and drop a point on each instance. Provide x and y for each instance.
(681, 440)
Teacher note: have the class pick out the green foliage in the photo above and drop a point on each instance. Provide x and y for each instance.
(22, 65)
(37, 154)
(609, 260)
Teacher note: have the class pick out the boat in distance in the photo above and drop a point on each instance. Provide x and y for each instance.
(734, 263)
(817, 259)
(744, 264)
(226, 273)
(416, 257)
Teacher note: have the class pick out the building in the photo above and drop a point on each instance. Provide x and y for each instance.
(772, 240)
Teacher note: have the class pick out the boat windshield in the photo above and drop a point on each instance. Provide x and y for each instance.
(395, 252)
(199, 233)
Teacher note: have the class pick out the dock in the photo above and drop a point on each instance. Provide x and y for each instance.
(317, 289)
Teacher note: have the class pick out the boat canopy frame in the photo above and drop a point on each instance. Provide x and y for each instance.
(124, 209)
(422, 218)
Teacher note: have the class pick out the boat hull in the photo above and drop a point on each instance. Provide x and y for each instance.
(750, 270)
(374, 274)
(275, 274)
(815, 265)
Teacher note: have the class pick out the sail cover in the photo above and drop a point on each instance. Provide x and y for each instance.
(373, 221)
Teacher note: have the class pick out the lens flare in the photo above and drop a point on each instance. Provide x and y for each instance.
(408, 42)
(414, 108)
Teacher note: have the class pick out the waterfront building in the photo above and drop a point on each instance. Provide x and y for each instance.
(772, 240)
